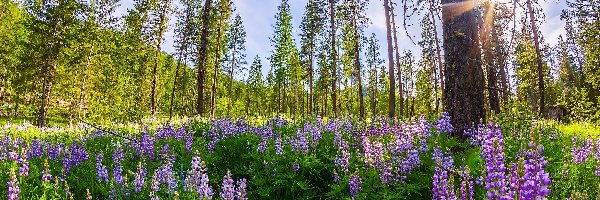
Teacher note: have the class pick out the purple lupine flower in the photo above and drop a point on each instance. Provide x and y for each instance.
(204, 190)
(342, 160)
(179, 133)
(581, 154)
(46, 176)
(118, 175)
(227, 188)
(13, 187)
(278, 146)
(535, 180)
(36, 149)
(75, 155)
(118, 155)
(355, 183)
(302, 142)
(262, 146)
(466, 185)
(155, 185)
(444, 123)
(24, 168)
(295, 167)
(192, 180)
(336, 177)
(241, 189)
(442, 187)
(385, 173)
(102, 172)
(492, 152)
(148, 145)
(54, 151)
(189, 142)
(140, 178)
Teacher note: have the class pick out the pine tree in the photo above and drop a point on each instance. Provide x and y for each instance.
(311, 26)
(202, 54)
(255, 84)
(373, 60)
(281, 56)
(235, 55)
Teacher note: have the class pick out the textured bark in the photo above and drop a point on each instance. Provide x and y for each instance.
(173, 89)
(310, 83)
(397, 62)
(464, 83)
(392, 92)
(333, 58)
(202, 54)
(538, 56)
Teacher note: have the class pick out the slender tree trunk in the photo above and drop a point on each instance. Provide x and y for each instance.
(202, 54)
(310, 82)
(397, 60)
(85, 73)
(48, 78)
(538, 56)
(392, 92)
(161, 32)
(439, 58)
(488, 57)
(464, 84)
(213, 93)
(174, 87)
(333, 58)
(361, 101)
(230, 82)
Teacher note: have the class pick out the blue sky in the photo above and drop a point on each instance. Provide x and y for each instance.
(258, 19)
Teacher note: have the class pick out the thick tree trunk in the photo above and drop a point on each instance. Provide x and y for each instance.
(202, 54)
(397, 61)
(464, 82)
(488, 57)
(392, 92)
(333, 58)
(538, 56)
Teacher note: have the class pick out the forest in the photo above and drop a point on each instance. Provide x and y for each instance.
(345, 99)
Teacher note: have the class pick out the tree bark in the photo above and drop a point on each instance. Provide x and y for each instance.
(202, 54)
(464, 85)
(174, 87)
(310, 82)
(361, 104)
(538, 56)
(231, 82)
(85, 73)
(333, 58)
(161, 31)
(397, 61)
(392, 92)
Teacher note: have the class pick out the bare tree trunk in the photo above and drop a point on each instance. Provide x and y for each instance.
(488, 56)
(310, 83)
(85, 73)
(213, 93)
(392, 92)
(333, 58)
(202, 54)
(231, 82)
(538, 56)
(161, 31)
(48, 79)
(174, 87)
(439, 58)
(464, 84)
(397, 60)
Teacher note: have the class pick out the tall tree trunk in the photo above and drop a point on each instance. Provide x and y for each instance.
(213, 93)
(488, 57)
(85, 73)
(333, 58)
(538, 57)
(161, 31)
(392, 92)
(361, 101)
(202, 54)
(174, 86)
(464, 84)
(310, 83)
(231, 82)
(439, 57)
(397, 60)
